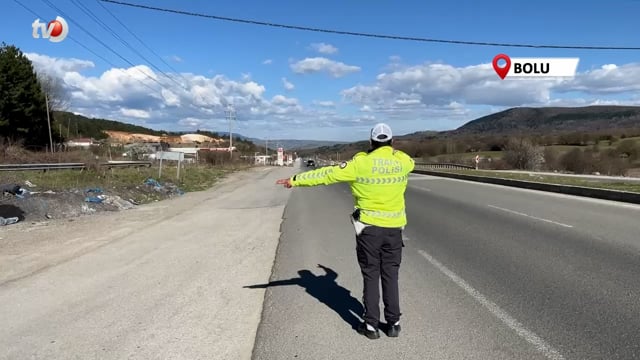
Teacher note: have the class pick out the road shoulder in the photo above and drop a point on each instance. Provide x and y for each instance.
(163, 280)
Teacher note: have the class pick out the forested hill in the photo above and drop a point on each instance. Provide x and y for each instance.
(74, 126)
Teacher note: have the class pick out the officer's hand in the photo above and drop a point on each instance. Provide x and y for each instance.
(286, 182)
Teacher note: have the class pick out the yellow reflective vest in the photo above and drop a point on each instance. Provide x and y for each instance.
(378, 181)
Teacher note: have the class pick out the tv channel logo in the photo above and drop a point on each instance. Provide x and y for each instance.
(56, 30)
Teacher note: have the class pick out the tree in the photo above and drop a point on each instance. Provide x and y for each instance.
(551, 158)
(628, 148)
(59, 99)
(523, 154)
(23, 114)
(577, 161)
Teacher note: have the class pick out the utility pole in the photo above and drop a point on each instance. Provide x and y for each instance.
(231, 116)
(46, 100)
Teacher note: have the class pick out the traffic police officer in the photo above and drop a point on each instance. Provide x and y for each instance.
(378, 180)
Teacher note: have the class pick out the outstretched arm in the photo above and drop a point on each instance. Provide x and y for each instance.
(294, 281)
(345, 172)
(330, 273)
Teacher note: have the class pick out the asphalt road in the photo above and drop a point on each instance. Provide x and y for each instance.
(488, 272)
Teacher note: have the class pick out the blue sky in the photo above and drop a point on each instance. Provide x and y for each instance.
(338, 94)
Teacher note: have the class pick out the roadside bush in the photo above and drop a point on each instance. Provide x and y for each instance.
(629, 148)
(551, 159)
(495, 164)
(577, 161)
(611, 165)
(522, 154)
(16, 153)
(214, 158)
(13, 152)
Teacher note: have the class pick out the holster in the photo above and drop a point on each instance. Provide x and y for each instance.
(358, 226)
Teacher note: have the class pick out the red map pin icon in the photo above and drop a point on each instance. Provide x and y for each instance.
(502, 71)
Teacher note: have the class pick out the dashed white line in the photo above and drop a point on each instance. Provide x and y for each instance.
(503, 316)
(421, 188)
(530, 216)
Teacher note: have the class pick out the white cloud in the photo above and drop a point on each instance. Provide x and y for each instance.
(440, 84)
(607, 79)
(267, 62)
(320, 64)
(323, 48)
(287, 85)
(410, 97)
(135, 113)
(190, 122)
(128, 95)
(324, 103)
(175, 58)
(58, 66)
(437, 94)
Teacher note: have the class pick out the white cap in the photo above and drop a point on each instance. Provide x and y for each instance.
(381, 132)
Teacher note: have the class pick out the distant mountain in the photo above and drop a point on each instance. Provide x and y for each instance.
(305, 144)
(533, 121)
(289, 144)
(525, 121)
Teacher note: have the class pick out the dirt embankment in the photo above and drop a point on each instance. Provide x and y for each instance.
(33, 203)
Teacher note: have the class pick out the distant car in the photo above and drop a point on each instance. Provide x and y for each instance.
(311, 163)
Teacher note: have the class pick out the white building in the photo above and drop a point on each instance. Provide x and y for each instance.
(82, 142)
(262, 159)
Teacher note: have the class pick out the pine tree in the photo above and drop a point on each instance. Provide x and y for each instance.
(23, 112)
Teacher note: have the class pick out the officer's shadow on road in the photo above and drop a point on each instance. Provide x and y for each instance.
(327, 291)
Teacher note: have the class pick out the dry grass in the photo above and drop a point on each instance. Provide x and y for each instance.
(16, 154)
(193, 177)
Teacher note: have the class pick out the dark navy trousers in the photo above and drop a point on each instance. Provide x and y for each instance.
(379, 252)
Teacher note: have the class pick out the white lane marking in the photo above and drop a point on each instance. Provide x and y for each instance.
(423, 177)
(530, 216)
(507, 319)
(420, 188)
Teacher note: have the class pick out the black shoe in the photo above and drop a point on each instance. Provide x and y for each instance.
(371, 334)
(393, 331)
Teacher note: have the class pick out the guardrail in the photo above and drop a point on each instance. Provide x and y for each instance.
(71, 166)
(442, 166)
(598, 193)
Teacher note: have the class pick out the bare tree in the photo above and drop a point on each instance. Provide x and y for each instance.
(523, 154)
(57, 95)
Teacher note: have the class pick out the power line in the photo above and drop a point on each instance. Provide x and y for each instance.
(85, 47)
(100, 41)
(95, 18)
(370, 35)
(135, 36)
